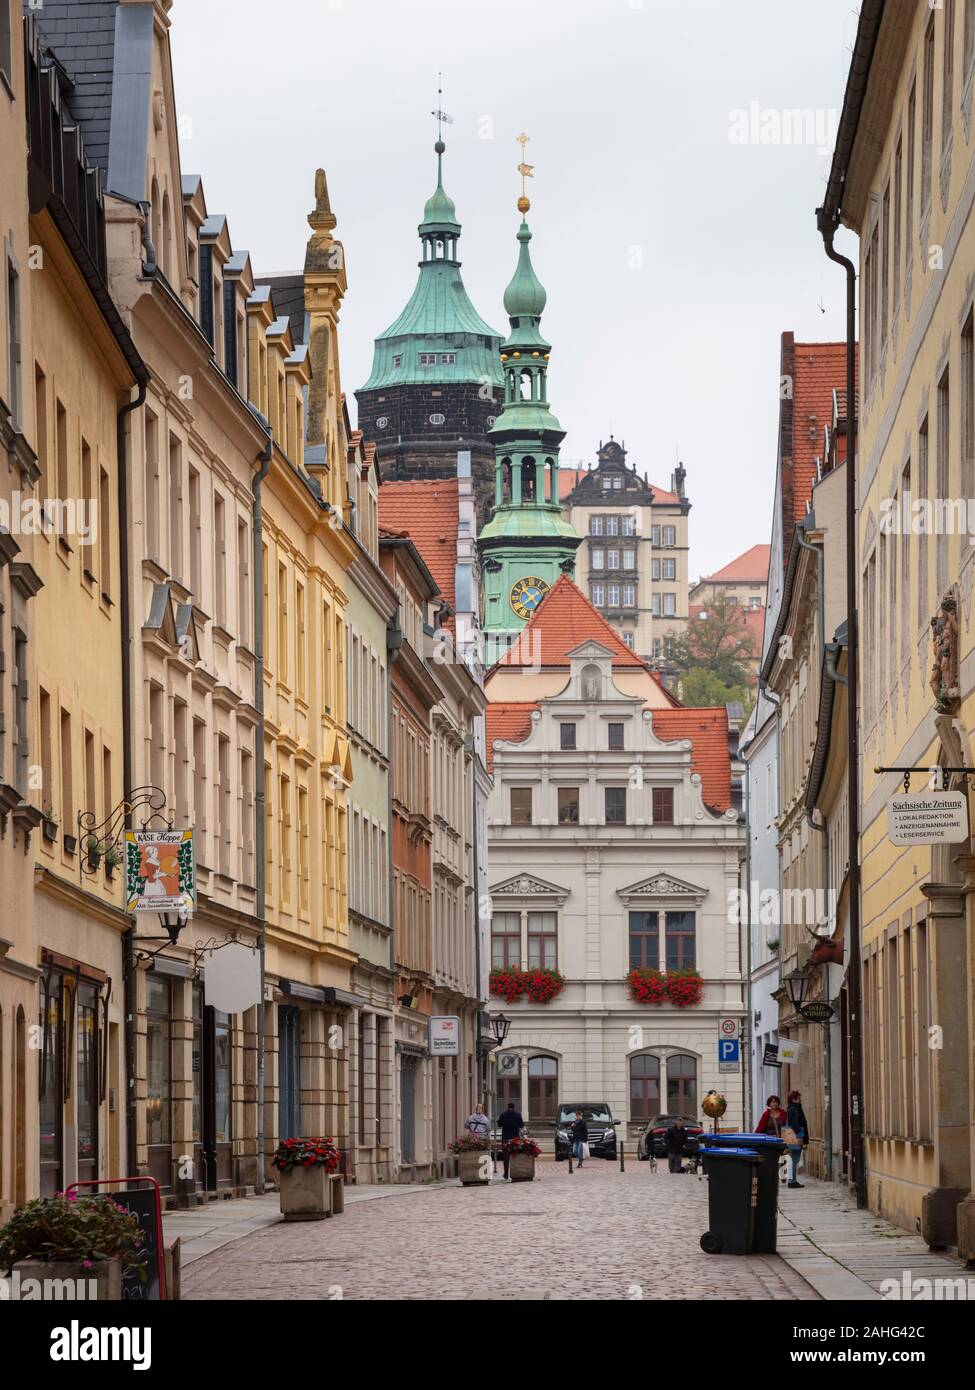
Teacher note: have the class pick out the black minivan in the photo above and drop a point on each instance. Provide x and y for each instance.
(600, 1122)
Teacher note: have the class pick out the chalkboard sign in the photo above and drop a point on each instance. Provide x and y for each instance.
(141, 1197)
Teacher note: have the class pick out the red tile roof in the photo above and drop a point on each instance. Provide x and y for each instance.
(563, 621)
(750, 567)
(707, 728)
(426, 511)
(819, 369)
(660, 494)
(510, 721)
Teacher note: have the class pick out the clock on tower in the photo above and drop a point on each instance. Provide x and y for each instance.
(526, 594)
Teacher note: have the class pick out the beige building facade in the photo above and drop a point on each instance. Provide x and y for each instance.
(907, 191)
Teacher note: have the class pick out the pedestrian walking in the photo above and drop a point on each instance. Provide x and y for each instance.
(580, 1139)
(510, 1125)
(773, 1118)
(674, 1142)
(477, 1123)
(796, 1123)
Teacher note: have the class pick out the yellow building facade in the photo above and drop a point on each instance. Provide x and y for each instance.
(908, 194)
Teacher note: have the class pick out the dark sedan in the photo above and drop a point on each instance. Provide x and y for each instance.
(653, 1137)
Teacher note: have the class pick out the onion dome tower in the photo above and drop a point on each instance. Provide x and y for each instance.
(527, 544)
(436, 382)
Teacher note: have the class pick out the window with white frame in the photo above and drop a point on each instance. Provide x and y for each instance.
(598, 595)
(669, 570)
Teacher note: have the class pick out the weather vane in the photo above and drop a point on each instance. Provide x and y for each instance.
(527, 171)
(440, 113)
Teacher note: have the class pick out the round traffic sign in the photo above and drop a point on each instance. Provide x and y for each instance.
(729, 1027)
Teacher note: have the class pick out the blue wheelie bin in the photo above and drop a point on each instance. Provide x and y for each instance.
(769, 1150)
(732, 1200)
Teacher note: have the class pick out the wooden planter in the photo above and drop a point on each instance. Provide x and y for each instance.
(306, 1194)
(102, 1282)
(471, 1166)
(521, 1168)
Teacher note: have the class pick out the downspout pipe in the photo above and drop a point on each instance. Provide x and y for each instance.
(827, 227)
(260, 849)
(125, 621)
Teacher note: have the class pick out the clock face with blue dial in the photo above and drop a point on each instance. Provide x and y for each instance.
(526, 595)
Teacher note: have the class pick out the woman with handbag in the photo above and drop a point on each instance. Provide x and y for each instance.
(580, 1140)
(796, 1129)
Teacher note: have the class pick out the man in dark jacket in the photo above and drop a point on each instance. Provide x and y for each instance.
(580, 1136)
(674, 1141)
(510, 1124)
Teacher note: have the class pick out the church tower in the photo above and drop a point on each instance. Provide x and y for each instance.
(435, 386)
(527, 544)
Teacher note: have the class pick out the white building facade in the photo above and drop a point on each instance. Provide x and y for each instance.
(604, 856)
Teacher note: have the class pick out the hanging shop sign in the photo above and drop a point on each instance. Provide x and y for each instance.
(444, 1036)
(232, 977)
(770, 1057)
(928, 818)
(788, 1052)
(160, 873)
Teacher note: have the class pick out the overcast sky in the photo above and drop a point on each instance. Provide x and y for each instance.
(675, 246)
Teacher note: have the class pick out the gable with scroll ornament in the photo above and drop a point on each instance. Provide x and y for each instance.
(663, 886)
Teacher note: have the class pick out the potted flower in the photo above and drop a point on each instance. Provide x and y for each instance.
(82, 1239)
(112, 860)
(522, 1153)
(684, 988)
(507, 984)
(473, 1158)
(49, 824)
(93, 852)
(646, 985)
(542, 986)
(305, 1166)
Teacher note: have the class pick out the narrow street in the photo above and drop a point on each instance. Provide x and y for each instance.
(597, 1234)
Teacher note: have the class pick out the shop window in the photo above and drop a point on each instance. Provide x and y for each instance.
(682, 1086)
(543, 1088)
(644, 1088)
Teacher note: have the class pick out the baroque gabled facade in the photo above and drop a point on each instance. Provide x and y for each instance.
(625, 799)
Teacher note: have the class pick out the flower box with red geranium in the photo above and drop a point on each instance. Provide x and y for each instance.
(684, 988)
(539, 985)
(473, 1158)
(646, 985)
(522, 1153)
(306, 1167)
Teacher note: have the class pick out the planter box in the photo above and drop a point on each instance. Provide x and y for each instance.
(470, 1168)
(102, 1282)
(306, 1194)
(521, 1167)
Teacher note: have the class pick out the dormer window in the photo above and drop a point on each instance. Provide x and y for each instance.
(447, 359)
(428, 359)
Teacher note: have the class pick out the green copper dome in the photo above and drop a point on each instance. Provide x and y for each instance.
(439, 211)
(525, 296)
(439, 337)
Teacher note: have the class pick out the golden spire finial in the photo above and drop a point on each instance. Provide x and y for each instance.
(526, 171)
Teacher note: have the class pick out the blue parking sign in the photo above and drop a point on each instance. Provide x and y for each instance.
(728, 1050)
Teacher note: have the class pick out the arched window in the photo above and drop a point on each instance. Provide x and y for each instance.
(528, 480)
(543, 1087)
(505, 481)
(644, 1087)
(526, 384)
(682, 1085)
(553, 482)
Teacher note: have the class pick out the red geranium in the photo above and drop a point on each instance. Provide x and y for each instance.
(685, 988)
(306, 1153)
(540, 985)
(647, 986)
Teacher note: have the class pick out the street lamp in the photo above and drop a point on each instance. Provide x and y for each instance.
(499, 1027)
(797, 983)
(173, 923)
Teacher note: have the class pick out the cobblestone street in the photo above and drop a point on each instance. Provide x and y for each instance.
(598, 1234)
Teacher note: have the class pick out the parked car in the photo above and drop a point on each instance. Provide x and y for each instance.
(653, 1136)
(602, 1128)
